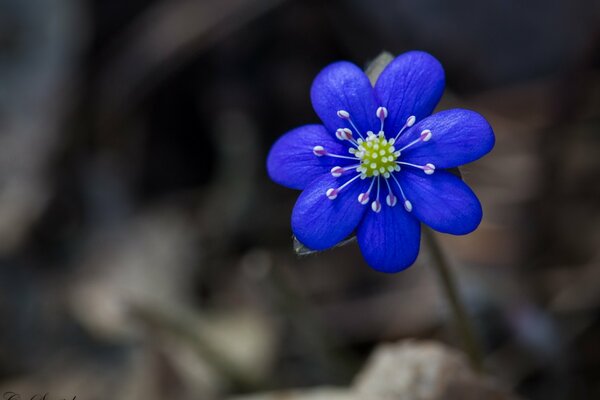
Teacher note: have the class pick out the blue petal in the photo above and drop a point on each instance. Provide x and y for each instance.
(389, 240)
(412, 84)
(344, 86)
(458, 137)
(442, 201)
(292, 163)
(320, 223)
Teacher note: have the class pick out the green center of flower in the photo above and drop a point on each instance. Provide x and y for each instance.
(377, 156)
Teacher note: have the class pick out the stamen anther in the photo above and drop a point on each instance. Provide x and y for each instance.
(343, 134)
(343, 114)
(363, 198)
(382, 113)
(391, 200)
(337, 171)
(331, 193)
(319, 151)
(429, 168)
(425, 135)
(408, 205)
(376, 206)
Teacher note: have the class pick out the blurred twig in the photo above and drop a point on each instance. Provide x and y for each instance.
(375, 67)
(185, 327)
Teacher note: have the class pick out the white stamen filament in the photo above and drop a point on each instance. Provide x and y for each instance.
(407, 204)
(428, 168)
(363, 198)
(410, 121)
(343, 114)
(349, 182)
(335, 155)
(425, 136)
(333, 193)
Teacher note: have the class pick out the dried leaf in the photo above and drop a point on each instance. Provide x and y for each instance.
(376, 66)
(303, 250)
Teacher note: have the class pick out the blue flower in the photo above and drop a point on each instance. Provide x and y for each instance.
(378, 165)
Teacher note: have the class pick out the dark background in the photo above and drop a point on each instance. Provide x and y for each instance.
(145, 254)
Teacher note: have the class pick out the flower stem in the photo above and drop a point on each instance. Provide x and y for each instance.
(442, 267)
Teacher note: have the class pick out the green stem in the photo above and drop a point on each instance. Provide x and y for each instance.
(464, 327)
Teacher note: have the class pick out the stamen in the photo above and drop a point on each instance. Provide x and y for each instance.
(390, 199)
(345, 134)
(427, 168)
(319, 151)
(425, 136)
(333, 193)
(363, 198)
(407, 204)
(376, 205)
(343, 114)
(382, 114)
(337, 171)
(410, 121)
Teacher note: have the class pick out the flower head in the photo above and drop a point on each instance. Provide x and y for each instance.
(378, 164)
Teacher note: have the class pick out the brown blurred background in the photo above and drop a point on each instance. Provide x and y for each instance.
(144, 253)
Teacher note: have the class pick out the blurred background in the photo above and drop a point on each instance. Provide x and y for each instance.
(144, 253)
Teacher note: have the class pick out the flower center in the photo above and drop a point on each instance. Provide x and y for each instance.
(377, 156)
(377, 159)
